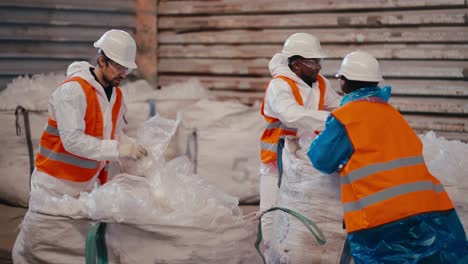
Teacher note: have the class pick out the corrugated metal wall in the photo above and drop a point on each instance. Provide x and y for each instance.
(47, 35)
(422, 46)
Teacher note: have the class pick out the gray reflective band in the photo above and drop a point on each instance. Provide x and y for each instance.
(52, 130)
(374, 168)
(106, 168)
(279, 125)
(268, 146)
(65, 158)
(272, 125)
(392, 192)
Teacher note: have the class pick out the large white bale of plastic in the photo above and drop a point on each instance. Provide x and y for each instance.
(174, 244)
(157, 212)
(448, 161)
(57, 240)
(314, 195)
(222, 138)
(14, 155)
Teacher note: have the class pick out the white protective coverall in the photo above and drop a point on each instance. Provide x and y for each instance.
(52, 235)
(67, 105)
(280, 104)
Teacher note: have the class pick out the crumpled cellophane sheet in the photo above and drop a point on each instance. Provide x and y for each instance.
(151, 190)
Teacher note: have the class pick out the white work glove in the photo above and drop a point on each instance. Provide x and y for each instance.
(132, 150)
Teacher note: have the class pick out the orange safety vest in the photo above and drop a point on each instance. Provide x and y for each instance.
(52, 157)
(386, 178)
(275, 129)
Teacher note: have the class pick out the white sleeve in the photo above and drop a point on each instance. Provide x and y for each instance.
(332, 98)
(120, 136)
(280, 103)
(68, 105)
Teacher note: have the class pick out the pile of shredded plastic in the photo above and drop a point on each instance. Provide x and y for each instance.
(30, 92)
(152, 191)
(33, 92)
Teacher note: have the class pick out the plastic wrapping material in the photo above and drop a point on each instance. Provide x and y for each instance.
(435, 237)
(151, 191)
(448, 161)
(222, 138)
(30, 92)
(171, 99)
(192, 89)
(137, 91)
(142, 101)
(314, 195)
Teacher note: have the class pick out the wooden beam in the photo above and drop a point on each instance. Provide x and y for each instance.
(399, 87)
(417, 18)
(259, 67)
(51, 34)
(452, 124)
(432, 35)
(430, 105)
(145, 36)
(385, 51)
(109, 6)
(406, 105)
(53, 17)
(46, 50)
(274, 6)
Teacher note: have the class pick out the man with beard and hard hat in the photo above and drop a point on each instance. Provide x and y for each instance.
(395, 210)
(82, 135)
(297, 102)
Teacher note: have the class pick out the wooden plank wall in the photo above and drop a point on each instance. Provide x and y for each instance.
(41, 36)
(422, 46)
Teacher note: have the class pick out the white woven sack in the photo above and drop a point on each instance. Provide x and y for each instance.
(226, 148)
(183, 245)
(316, 196)
(55, 239)
(14, 155)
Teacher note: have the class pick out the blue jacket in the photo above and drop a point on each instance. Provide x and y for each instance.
(332, 148)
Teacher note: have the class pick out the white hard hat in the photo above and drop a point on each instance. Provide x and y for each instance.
(118, 46)
(360, 66)
(304, 45)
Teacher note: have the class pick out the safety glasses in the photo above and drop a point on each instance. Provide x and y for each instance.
(312, 63)
(119, 68)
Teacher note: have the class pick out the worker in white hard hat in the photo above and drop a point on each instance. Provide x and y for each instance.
(83, 132)
(297, 102)
(395, 210)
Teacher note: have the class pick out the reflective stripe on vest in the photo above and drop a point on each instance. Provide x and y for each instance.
(275, 130)
(392, 192)
(52, 157)
(69, 159)
(382, 166)
(386, 178)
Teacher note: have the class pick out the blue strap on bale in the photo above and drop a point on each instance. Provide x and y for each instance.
(96, 244)
(309, 224)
